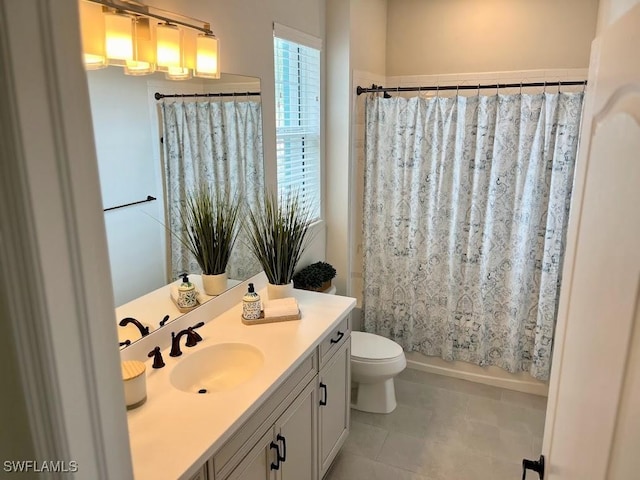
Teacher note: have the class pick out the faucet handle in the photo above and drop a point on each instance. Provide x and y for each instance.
(164, 321)
(158, 362)
(194, 337)
(126, 343)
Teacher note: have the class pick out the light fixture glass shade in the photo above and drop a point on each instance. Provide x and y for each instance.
(168, 47)
(144, 51)
(92, 30)
(207, 57)
(178, 73)
(118, 37)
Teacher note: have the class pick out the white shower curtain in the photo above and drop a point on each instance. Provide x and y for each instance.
(465, 212)
(219, 143)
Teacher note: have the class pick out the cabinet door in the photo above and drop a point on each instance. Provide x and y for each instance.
(296, 435)
(202, 474)
(257, 464)
(334, 401)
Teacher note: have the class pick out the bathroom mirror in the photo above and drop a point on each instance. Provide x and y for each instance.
(134, 177)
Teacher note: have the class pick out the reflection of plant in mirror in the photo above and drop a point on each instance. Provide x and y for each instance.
(212, 225)
(278, 235)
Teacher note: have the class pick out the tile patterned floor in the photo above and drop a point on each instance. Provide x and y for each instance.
(443, 429)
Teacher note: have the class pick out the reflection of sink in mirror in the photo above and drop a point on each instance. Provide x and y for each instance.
(217, 368)
(132, 163)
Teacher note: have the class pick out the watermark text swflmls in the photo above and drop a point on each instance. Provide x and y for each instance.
(61, 466)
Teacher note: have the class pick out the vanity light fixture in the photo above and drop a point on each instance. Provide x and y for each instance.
(207, 55)
(92, 30)
(169, 47)
(118, 28)
(143, 39)
(144, 51)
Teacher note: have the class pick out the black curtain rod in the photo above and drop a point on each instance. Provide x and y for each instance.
(378, 89)
(160, 96)
(148, 199)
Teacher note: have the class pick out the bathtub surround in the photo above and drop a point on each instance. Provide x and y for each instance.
(466, 206)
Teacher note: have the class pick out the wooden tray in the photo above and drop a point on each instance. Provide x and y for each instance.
(262, 319)
(183, 309)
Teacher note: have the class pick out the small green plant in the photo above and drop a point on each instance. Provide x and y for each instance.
(278, 233)
(316, 276)
(211, 225)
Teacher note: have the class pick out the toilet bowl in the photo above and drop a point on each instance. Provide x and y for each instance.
(375, 360)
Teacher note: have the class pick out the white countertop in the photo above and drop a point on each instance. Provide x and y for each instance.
(174, 432)
(149, 309)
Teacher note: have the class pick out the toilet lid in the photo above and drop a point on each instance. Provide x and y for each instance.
(368, 346)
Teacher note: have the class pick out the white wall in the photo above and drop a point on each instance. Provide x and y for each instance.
(369, 35)
(611, 10)
(129, 171)
(462, 36)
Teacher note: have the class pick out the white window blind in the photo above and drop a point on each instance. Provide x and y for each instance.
(297, 91)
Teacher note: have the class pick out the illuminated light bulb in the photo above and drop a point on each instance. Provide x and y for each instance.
(144, 52)
(207, 56)
(118, 37)
(178, 73)
(92, 31)
(168, 47)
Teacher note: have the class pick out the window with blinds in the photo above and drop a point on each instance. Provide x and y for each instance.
(297, 91)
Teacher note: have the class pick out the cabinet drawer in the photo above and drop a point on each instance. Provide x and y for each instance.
(232, 452)
(335, 340)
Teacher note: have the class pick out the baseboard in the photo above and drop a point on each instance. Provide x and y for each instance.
(487, 375)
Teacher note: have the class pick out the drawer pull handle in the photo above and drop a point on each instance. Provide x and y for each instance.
(282, 458)
(275, 466)
(340, 335)
(323, 399)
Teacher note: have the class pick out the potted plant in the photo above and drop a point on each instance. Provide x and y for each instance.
(316, 277)
(278, 235)
(211, 228)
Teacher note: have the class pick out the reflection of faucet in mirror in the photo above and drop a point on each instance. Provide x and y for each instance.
(144, 331)
(136, 144)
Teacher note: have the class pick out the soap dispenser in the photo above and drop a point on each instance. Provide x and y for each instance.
(187, 293)
(251, 308)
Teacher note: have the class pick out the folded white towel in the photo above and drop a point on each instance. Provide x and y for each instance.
(174, 292)
(282, 307)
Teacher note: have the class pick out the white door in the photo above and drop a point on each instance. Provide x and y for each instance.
(593, 418)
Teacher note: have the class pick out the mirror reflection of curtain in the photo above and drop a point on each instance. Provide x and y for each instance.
(218, 142)
(465, 212)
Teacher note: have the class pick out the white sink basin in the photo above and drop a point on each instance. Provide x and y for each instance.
(217, 368)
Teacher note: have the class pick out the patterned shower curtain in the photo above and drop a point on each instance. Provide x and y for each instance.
(220, 143)
(466, 206)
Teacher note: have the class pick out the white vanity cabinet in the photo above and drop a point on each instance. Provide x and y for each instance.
(296, 404)
(288, 450)
(201, 474)
(297, 432)
(334, 404)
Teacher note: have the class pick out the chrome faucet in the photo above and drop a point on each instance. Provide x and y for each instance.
(144, 331)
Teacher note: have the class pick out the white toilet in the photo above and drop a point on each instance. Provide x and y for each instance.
(375, 360)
